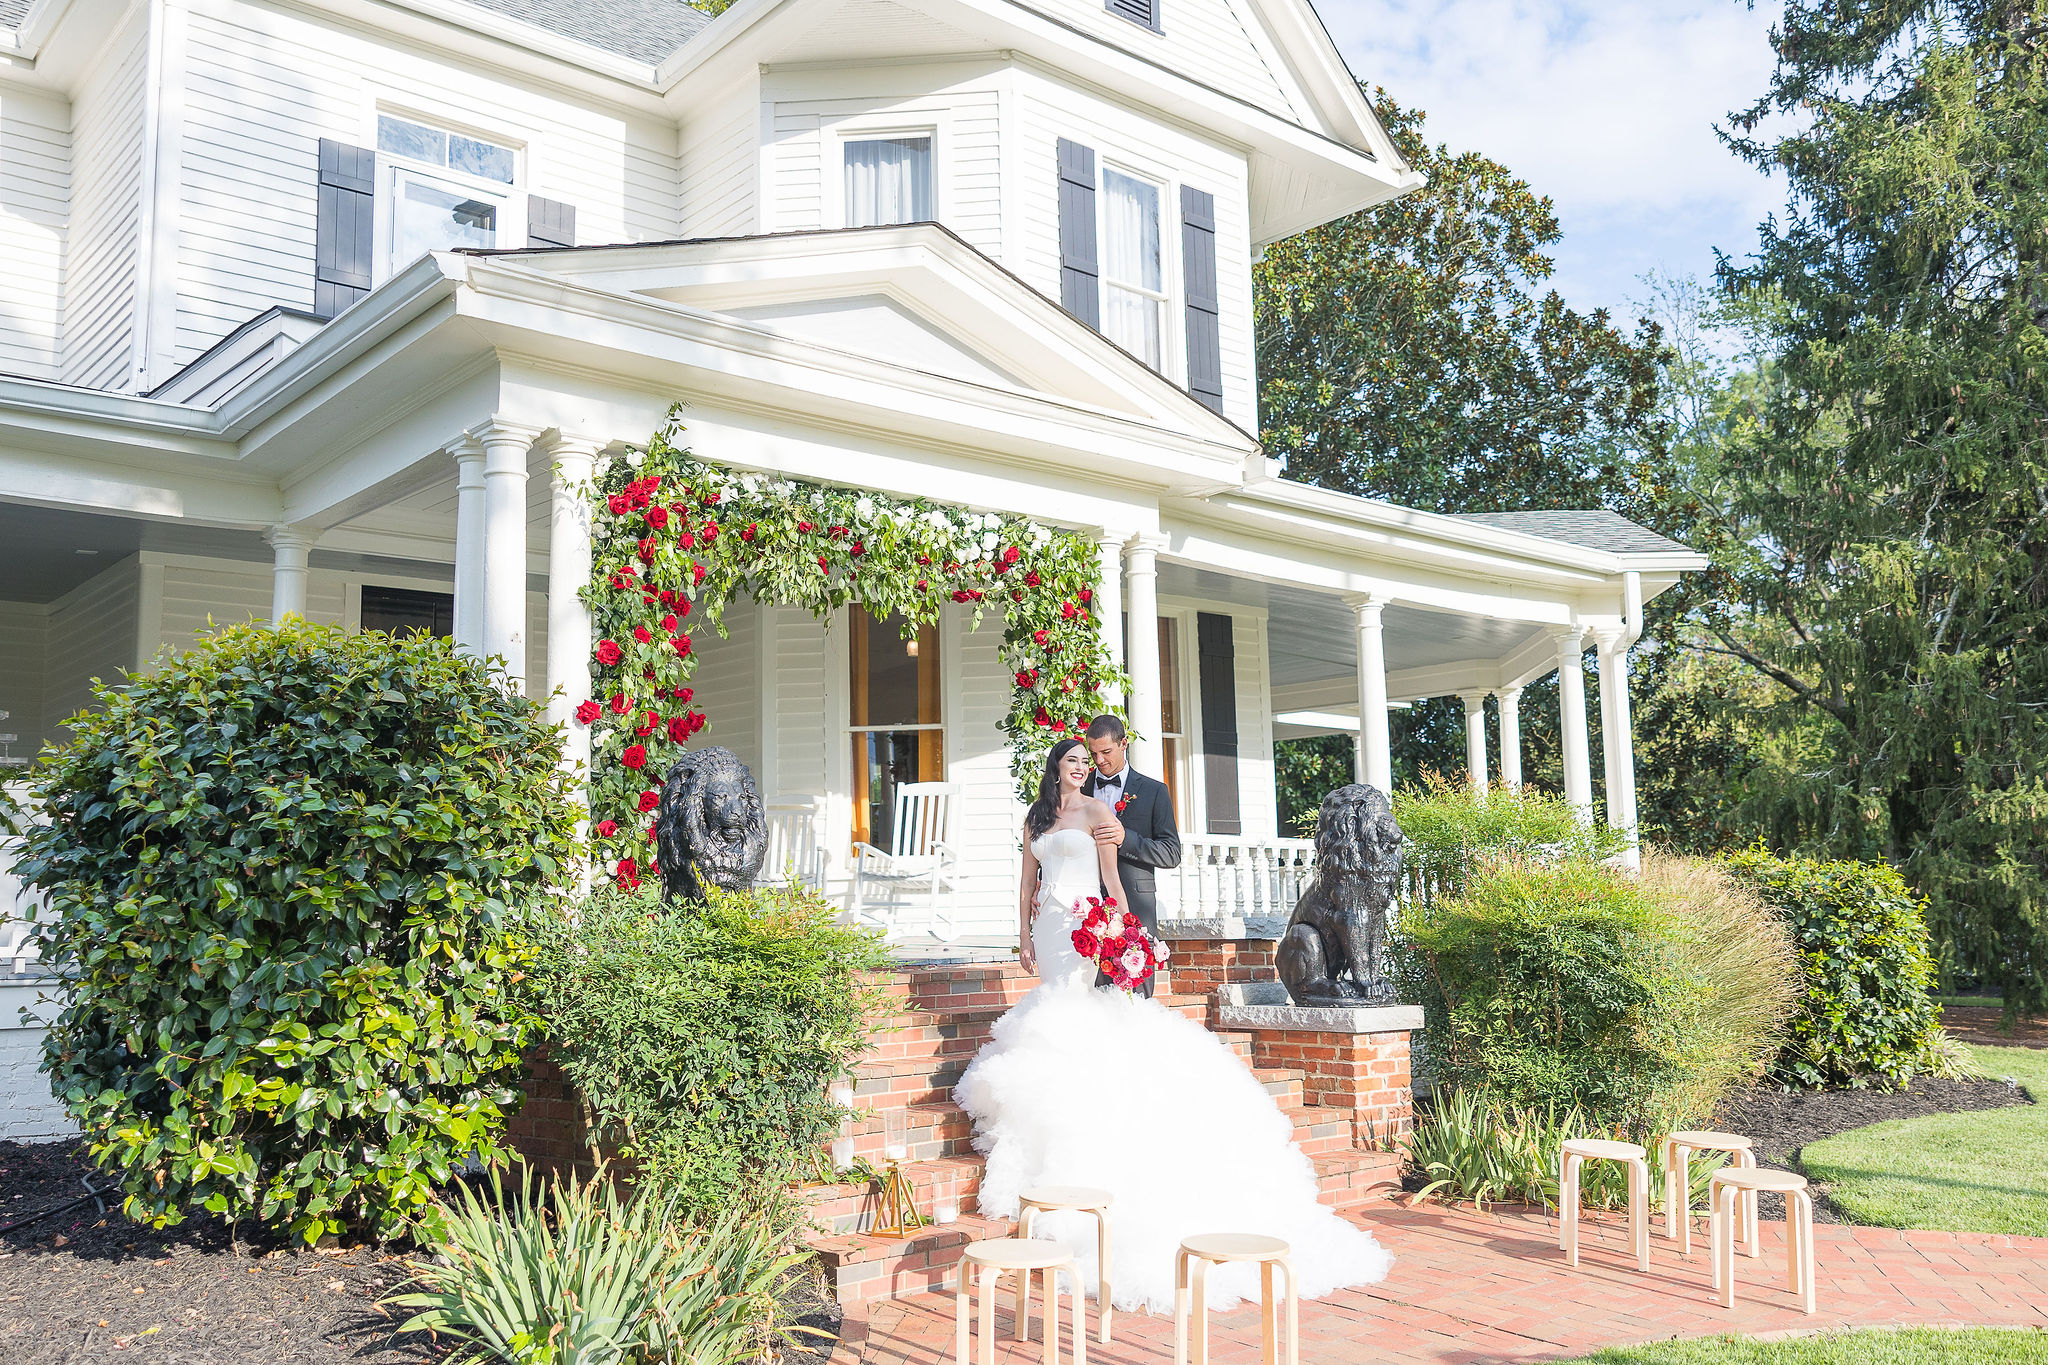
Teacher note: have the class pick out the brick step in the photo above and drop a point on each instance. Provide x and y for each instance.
(1283, 1083)
(1239, 1042)
(862, 1268)
(929, 1039)
(852, 1206)
(934, 1129)
(1320, 1132)
(1352, 1177)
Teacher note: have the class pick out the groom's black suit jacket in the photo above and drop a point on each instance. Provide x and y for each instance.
(1151, 841)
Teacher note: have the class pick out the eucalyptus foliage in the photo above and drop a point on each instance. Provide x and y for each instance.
(278, 868)
(677, 538)
(705, 1043)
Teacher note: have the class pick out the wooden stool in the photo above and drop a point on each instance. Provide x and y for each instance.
(1217, 1248)
(1076, 1199)
(1578, 1151)
(1731, 1183)
(987, 1261)
(1678, 1150)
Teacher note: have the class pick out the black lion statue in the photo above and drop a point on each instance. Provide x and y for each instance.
(709, 826)
(1334, 950)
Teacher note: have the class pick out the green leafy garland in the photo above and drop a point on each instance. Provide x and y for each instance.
(674, 539)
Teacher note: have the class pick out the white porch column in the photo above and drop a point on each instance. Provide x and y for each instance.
(1146, 708)
(468, 454)
(568, 680)
(1375, 760)
(1109, 601)
(1571, 702)
(506, 445)
(1475, 739)
(1617, 738)
(1510, 699)
(290, 548)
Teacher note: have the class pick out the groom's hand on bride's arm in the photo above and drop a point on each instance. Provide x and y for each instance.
(1110, 832)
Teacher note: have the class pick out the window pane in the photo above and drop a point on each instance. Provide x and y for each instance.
(1130, 229)
(1169, 676)
(888, 180)
(402, 137)
(895, 681)
(884, 760)
(401, 611)
(480, 158)
(1132, 322)
(428, 217)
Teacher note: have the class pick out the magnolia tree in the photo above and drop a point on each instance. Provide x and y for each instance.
(675, 539)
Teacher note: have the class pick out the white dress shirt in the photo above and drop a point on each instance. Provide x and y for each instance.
(1110, 788)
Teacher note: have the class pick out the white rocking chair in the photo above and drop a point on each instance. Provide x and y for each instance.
(795, 856)
(918, 854)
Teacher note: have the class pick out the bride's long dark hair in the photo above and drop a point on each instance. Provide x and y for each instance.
(1046, 808)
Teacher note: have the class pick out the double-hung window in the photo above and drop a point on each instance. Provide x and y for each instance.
(888, 180)
(447, 190)
(1133, 271)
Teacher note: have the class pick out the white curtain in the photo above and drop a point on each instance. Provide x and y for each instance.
(888, 180)
(1130, 264)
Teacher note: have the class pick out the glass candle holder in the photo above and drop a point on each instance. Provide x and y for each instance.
(842, 1153)
(945, 1196)
(896, 1133)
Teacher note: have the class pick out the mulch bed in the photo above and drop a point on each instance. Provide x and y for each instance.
(86, 1286)
(1982, 1026)
(1783, 1123)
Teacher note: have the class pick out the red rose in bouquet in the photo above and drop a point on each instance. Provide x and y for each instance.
(1086, 944)
(1116, 942)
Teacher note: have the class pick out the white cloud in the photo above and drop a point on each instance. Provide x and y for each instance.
(1609, 109)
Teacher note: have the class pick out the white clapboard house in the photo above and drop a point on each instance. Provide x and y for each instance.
(311, 306)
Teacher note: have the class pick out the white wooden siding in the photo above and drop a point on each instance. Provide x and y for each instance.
(101, 274)
(35, 205)
(806, 166)
(24, 642)
(1258, 799)
(1165, 153)
(720, 165)
(728, 687)
(801, 724)
(263, 84)
(1216, 42)
(92, 634)
(987, 828)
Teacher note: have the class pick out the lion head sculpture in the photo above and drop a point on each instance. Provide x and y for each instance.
(1356, 835)
(1333, 952)
(709, 826)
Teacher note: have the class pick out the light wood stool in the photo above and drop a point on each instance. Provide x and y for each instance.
(987, 1262)
(1076, 1199)
(1192, 1264)
(1578, 1151)
(1678, 1150)
(1732, 1183)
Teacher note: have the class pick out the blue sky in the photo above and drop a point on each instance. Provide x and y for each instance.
(1607, 108)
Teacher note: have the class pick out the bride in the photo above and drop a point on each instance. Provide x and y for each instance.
(1086, 1086)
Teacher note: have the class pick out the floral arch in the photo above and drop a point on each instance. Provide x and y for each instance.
(675, 539)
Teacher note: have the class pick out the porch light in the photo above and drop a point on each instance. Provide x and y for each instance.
(910, 646)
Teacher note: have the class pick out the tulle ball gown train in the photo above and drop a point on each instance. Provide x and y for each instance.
(1080, 1086)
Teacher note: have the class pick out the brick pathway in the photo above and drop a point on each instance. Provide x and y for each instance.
(1469, 1287)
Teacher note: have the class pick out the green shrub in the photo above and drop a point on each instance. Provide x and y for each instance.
(705, 1041)
(1452, 829)
(279, 868)
(1867, 1015)
(577, 1275)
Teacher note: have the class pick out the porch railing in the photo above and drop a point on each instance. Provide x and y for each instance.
(1231, 877)
(17, 950)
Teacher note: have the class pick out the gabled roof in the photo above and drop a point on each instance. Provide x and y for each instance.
(1596, 530)
(644, 30)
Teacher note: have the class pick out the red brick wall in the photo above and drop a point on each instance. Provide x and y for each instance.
(1366, 1073)
(1201, 966)
(548, 1129)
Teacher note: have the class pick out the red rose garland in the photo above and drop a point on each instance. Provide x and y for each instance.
(1117, 943)
(659, 554)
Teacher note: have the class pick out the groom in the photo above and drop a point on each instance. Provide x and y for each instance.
(1143, 830)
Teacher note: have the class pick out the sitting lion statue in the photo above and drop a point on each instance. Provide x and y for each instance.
(1334, 947)
(709, 826)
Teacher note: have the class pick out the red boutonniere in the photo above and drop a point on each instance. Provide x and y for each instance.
(1121, 802)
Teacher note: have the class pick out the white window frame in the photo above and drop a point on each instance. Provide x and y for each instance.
(394, 170)
(1173, 361)
(837, 135)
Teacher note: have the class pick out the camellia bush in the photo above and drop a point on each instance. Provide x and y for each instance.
(674, 539)
(280, 869)
(1868, 1014)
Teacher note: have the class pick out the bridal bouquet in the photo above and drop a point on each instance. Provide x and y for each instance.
(1116, 941)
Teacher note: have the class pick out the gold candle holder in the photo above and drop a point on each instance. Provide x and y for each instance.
(898, 1216)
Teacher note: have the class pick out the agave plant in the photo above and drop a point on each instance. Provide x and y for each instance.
(575, 1275)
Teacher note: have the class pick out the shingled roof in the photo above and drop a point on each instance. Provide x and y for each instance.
(643, 30)
(1594, 530)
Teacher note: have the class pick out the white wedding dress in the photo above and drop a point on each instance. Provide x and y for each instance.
(1079, 1086)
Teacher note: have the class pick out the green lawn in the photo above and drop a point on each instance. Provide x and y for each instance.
(1977, 1172)
(1988, 1002)
(1918, 1346)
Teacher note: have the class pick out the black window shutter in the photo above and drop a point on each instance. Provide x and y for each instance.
(1198, 260)
(344, 233)
(1079, 292)
(1216, 661)
(549, 222)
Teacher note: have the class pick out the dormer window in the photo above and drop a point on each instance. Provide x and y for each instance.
(446, 190)
(888, 180)
(1133, 275)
